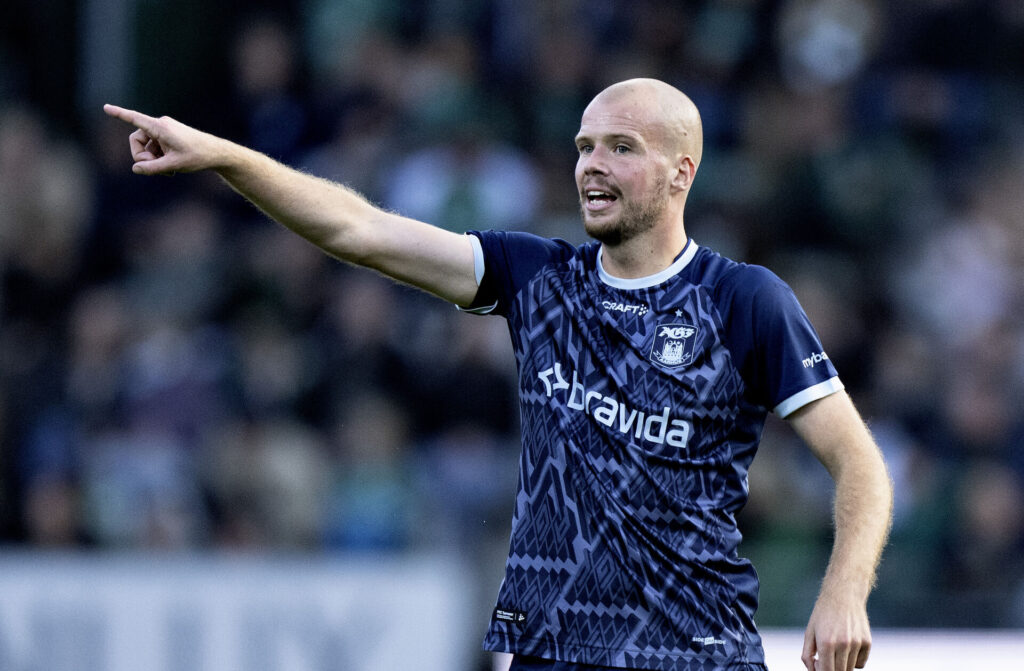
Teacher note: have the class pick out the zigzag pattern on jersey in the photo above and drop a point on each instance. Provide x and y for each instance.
(611, 550)
(545, 527)
(704, 663)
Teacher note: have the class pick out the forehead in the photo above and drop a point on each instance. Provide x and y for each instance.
(618, 116)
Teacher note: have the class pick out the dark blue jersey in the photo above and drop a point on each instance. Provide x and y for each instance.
(642, 404)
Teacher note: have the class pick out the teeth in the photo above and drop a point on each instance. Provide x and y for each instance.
(596, 194)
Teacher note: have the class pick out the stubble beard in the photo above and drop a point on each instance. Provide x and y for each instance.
(637, 217)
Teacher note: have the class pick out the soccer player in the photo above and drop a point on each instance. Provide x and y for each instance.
(647, 366)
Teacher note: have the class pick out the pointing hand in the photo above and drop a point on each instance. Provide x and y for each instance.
(164, 146)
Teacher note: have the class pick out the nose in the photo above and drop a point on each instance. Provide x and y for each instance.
(593, 163)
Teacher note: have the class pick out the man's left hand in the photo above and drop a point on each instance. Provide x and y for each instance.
(838, 637)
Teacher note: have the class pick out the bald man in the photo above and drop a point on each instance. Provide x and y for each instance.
(647, 366)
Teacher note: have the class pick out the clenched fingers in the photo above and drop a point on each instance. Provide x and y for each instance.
(144, 147)
(862, 657)
(841, 656)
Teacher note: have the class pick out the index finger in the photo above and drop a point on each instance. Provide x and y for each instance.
(137, 119)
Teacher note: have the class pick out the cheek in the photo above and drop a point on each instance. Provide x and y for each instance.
(652, 182)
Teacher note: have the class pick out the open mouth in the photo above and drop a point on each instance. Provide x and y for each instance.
(598, 199)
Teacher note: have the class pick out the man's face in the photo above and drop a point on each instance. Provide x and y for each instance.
(622, 174)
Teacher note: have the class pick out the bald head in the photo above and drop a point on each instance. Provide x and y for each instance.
(667, 111)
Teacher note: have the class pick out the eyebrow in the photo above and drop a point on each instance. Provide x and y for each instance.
(610, 137)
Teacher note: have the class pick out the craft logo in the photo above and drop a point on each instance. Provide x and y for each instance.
(674, 344)
(625, 308)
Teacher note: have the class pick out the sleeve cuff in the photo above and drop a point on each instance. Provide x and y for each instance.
(478, 269)
(478, 257)
(812, 393)
(481, 310)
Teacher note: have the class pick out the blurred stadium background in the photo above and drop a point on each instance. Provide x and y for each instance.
(221, 449)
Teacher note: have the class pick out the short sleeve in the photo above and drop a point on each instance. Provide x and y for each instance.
(779, 353)
(510, 260)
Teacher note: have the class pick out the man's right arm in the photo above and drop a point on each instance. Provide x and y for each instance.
(331, 216)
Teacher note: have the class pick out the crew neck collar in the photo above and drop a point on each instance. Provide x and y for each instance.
(680, 262)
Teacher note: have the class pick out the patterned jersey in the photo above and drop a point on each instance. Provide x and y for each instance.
(642, 403)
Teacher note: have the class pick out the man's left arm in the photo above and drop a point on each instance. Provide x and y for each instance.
(838, 632)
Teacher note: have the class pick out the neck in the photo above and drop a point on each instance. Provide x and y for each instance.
(644, 256)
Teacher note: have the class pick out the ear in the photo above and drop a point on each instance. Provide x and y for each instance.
(685, 171)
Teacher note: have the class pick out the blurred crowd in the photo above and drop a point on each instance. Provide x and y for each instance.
(179, 373)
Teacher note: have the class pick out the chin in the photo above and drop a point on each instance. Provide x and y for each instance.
(605, 232)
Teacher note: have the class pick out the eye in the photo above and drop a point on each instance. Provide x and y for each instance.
(585, 148)
(621, 149)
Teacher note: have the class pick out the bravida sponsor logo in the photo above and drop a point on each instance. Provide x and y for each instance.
(661, 428)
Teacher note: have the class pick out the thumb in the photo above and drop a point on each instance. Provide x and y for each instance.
(156, 166)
